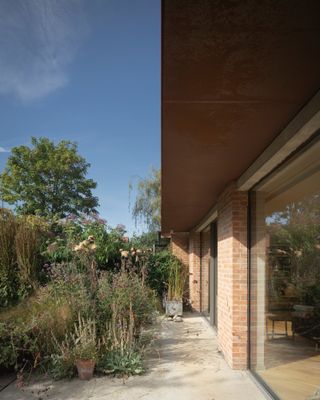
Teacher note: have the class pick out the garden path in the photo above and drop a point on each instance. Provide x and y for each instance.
(184, 363)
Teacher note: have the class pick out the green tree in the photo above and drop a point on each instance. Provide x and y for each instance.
(146, 208)
(48, 180)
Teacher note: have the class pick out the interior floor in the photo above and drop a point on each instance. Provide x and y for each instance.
(292, 364)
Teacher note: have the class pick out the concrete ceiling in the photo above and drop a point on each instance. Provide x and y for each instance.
(234, 73)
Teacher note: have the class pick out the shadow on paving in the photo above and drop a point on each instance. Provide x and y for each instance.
(183, 363)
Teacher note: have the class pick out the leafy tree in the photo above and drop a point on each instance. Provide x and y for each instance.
(146, 207)
(48, 180)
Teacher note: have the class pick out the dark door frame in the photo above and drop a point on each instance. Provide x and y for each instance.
(213, 275)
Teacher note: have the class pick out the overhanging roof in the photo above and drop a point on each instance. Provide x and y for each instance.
(234, 73)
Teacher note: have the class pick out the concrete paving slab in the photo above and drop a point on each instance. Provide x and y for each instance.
(6, 380)
(184, 364)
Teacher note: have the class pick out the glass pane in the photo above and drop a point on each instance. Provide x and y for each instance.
(285, 279)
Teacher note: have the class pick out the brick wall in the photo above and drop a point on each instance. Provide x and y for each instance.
(232, 276)
(180, 246)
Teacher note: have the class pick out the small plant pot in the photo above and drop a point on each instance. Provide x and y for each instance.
(85, 369)
(173, 308)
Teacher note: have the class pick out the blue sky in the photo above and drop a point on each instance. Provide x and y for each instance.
(87, 71)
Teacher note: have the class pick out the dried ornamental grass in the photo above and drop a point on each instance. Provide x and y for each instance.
(7, 257)
(27, 243)
(177, 281)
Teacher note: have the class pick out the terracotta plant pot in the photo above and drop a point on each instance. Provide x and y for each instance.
(85, 369)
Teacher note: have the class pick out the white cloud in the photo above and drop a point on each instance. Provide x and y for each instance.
(3, 150)
(38, 40)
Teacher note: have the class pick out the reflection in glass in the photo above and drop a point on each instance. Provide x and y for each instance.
(285, 279)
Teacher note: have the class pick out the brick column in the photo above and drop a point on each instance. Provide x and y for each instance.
(194, 270)
(232, 276)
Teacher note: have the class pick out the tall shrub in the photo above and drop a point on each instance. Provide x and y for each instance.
(8, 279)
(123, 297)
(177, 280)
(75, 229)
(124, 306)
(158, 271)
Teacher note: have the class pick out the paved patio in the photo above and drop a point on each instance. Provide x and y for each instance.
(184, 364)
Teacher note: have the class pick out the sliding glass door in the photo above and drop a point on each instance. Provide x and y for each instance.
(213, 275)
(209, 273)
(285, 278)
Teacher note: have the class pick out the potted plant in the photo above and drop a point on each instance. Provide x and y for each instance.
(85, 348)
(175, 289)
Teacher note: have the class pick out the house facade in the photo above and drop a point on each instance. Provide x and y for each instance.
(241, 178)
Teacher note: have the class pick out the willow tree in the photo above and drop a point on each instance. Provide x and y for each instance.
(146, 207)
